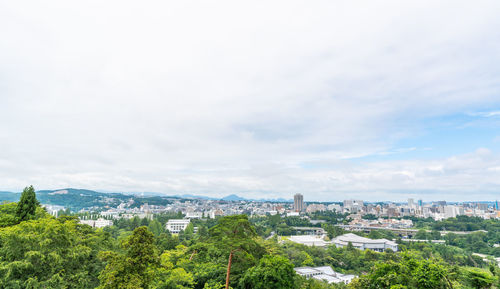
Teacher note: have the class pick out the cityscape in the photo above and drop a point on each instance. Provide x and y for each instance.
(249, 144)
(357, 217)
(356, 209)
(199, 208)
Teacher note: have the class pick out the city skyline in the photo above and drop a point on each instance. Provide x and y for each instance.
(333, 100)
(295, 199)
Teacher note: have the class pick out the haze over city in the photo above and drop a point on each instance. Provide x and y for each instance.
(333, 100)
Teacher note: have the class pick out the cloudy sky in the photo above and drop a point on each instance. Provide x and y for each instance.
(379, 100)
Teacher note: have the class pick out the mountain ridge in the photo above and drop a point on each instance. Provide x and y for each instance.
(77, 199)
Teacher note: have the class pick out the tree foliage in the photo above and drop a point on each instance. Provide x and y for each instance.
(134, 268)
(410, 271)
(272, 272)
(478, 278)
(26, 207)
(48, 253)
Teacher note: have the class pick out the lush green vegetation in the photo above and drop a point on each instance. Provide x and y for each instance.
(465, 223)
(481, 234)
(40, 251)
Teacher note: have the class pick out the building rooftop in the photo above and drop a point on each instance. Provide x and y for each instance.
(324, 273)
(179, 221)
(309, 240)
(353, 238)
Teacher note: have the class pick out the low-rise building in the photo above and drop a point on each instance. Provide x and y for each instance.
(363, 243)
(335, 207)
(315, 208)
(194, 215)
(99, 223)
(325, 273)
(177, 225)
(309, 240)
(53, 209)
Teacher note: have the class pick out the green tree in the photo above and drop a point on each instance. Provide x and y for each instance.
(411, 271)
(214, 285)
(135, 268)
(272, 272)
(434, 235)
(155, 227)
(421, 234)
(170, 274)
(8, 214)
(26, 207)
(50, 253)
(231, 248)
(478, 278)
(166, 241)
(203, 231)
(237, 236)
(189, 231)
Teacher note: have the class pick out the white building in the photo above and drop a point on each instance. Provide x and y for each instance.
(210, 214)
(335, 207)
(315, 208)
(194, 215)
(177, 225)
(309, 240)
(363, 243)
(53, 209)
(451, 211)
(353, 206)
(99, 223)
(411, 203)
(324, 273)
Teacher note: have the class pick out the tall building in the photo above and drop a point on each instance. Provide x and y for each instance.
(411, 203)
(451, 211)
(348, 203)
(482, 206)
(420, 203)
(441, 203)
(298, 203)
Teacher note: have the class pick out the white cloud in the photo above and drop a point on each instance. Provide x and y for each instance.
(234, 97)
(486, 113)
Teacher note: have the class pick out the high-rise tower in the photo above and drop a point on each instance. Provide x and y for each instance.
(298, 203)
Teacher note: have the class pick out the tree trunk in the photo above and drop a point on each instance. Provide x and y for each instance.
(192, 255)
(229, 269)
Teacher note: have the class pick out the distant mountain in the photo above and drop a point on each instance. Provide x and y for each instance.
(236, 198)
(69, 191)
(9, 196)
(188, 196)
(233, 198)
(77, 199)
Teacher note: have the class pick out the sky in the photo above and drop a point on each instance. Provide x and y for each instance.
(372, 100)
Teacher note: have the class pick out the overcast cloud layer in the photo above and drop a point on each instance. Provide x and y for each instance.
(333, 99)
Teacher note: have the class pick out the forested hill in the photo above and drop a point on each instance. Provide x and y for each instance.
(77, 199)
(9, 196)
